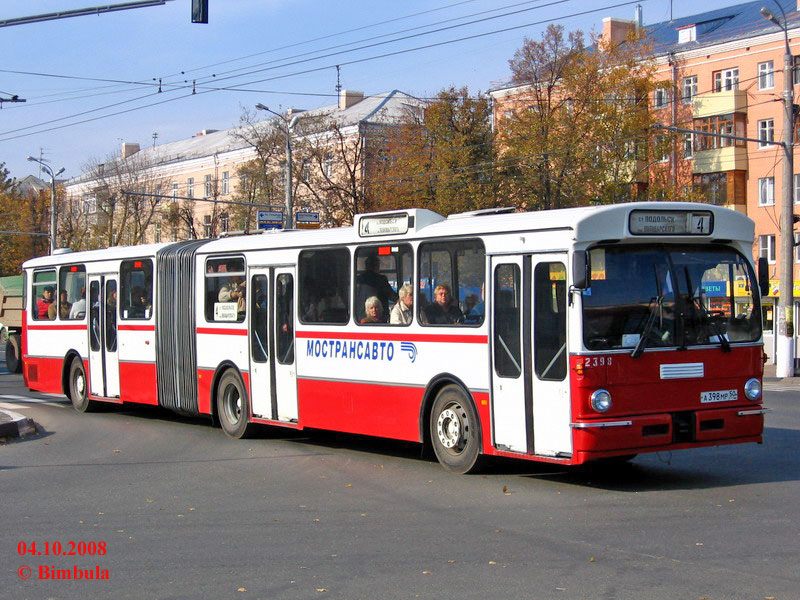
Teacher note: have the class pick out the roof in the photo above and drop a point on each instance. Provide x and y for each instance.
(381, 109)
(723, 25)
(741, 21)
(29, 184)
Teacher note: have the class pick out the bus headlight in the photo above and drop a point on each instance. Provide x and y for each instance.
(752, 389)
(601, 400)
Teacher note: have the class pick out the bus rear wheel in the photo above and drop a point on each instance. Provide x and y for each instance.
(233, 408)
(455, 430)
(79, 388)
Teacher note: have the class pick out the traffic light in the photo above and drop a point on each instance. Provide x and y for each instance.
(199, 11)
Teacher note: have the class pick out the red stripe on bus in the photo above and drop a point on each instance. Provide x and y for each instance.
(81, 327)
(214, 331)
(396, 337)
(137, 328)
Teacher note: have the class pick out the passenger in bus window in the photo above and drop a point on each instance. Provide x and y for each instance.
(442, 311)
(63, 308)
(372, 283)
(374, 311)
(78, 310)
(111, 320)
(234, 291)
(401, 312)
(475, 313)
(43, 304)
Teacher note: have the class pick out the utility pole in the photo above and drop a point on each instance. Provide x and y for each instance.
(49, 171)
(785, 346)
(287, 129)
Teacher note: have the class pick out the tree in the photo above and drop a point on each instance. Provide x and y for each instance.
(441, 158)
(115, 216)
(581, 131)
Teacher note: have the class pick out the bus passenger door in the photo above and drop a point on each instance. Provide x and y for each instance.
(103, 355)
(551, 406)
(261, 350)
(284, 364)
(511, 388)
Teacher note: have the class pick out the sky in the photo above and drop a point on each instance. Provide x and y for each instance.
(91, 83)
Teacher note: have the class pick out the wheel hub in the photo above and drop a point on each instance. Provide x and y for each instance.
(450, 428)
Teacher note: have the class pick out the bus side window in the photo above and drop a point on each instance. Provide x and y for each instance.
(44, 295)
(72, 292)
(451, 283)
(136, 289)
(507, 351)
(225, 289)
(324, 277)
(380, 273)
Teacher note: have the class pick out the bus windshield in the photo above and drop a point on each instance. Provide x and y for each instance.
(669, 296)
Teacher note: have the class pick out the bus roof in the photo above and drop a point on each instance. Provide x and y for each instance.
(575, 226)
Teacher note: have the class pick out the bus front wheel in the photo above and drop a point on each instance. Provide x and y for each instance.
(79, 388)
(233, 409)
(455, 431)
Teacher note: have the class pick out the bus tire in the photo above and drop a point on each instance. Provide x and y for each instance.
(455, 430)
(79, 388)
(233, 408)
(13, 354)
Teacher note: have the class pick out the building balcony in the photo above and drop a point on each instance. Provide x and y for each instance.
(717, 160)
(719, 103)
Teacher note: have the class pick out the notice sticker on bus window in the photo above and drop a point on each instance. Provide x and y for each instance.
(225, 311)
(671, 222)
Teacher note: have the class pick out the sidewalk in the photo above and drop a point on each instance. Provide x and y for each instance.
(769, 377)
(14, 425)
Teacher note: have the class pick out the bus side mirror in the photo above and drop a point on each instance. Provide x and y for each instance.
(580, 269)
(763, 276)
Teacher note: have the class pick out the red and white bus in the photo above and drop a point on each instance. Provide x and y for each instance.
(559, 336)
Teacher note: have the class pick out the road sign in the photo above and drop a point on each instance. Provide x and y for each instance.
(306, 220)
(270, 219)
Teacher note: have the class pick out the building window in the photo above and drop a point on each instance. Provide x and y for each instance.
(766, 191)
(226, 183)
(207, 191)
(327, 166)
(796, 70)
(726, 80)
(766, 75)
(687, 34)
(689, 89)
(713, 187)
(796, 190)
(157, 233)
(661, 97)
(688, 145)
(305, 170)
(766, 133)
(730, 124)
(224, 222)
(766, 247)
(207, 226)
(190, 187)
(174, 189)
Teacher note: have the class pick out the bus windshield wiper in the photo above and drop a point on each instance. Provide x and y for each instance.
(713, 326)
(655, 303)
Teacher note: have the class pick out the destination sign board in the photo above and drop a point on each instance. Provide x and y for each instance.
(383, 225)
(671, 222)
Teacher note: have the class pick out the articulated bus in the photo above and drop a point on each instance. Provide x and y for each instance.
(560, 336)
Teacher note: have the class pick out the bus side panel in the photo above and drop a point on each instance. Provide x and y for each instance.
(205, 377)
(138, 382)
(361, 408)
(44, 374)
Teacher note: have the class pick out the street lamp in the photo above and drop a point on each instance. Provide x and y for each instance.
(785, 346)
(288, 124)
(53, 176)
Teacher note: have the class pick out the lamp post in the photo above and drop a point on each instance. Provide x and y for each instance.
(785, 346)
(53, 176)
(288, 124)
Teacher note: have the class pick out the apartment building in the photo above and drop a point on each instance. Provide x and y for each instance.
(203, 175)
(722, 72)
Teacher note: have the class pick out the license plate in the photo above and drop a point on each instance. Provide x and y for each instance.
(721, 396)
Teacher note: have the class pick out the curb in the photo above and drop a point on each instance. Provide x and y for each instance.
(14, 425)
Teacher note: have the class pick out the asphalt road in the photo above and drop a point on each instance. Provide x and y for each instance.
(185, 512)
